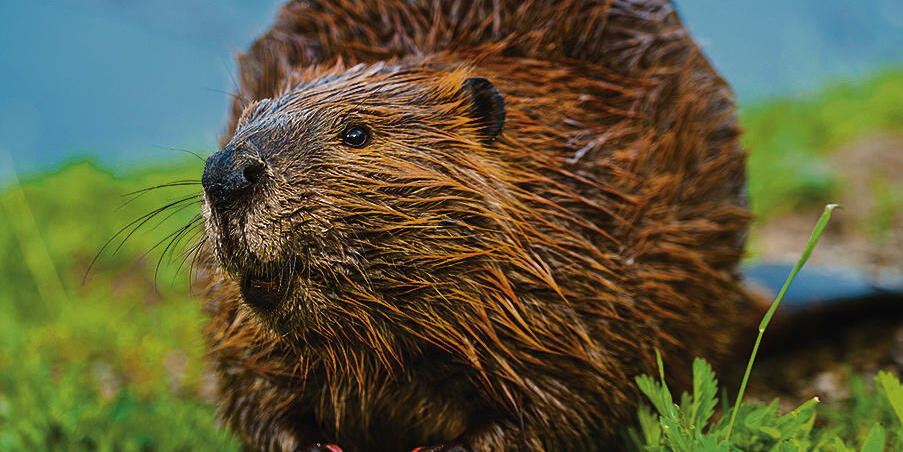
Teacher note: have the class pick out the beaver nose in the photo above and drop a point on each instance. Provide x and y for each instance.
(227, 175)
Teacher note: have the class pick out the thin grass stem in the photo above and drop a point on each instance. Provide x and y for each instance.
(813, 240)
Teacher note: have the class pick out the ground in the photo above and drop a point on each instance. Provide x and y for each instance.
(867, 233)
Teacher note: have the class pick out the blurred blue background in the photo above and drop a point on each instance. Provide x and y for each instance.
(128, 80)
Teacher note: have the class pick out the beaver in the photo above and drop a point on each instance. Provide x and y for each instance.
(468, 224)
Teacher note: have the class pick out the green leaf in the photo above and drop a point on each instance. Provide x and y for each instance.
(893, 390)
(798, 423)
(874, 442)
(659, 395)
(838, 445)
(705, 390)
(650, 429)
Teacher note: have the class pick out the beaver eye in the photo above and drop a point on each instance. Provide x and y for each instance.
(355, 136)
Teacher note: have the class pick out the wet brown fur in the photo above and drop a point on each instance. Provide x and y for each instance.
(452, 288)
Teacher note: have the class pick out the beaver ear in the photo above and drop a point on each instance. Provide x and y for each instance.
(487, 107)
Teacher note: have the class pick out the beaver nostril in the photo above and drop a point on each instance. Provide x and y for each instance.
(225, 180)
(252, 172)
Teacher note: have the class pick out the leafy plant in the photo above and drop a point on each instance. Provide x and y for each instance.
(751, 426)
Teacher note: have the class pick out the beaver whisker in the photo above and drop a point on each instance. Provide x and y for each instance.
(174, 183)
(237, 95)
(144, 219)
(178, 210)
(191, 254)
(195, 251)
(182, 150)
(134, 226)
(234, 96)
(177, 235)
(173, 239)
(291, 269)
(139, 193)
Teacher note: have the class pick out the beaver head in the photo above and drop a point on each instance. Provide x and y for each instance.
(338, 200)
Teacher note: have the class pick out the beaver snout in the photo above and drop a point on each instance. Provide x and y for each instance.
(230, 173)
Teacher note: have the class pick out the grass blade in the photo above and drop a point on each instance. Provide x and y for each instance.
(804, 257)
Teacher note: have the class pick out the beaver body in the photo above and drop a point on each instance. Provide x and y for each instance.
(468, 223)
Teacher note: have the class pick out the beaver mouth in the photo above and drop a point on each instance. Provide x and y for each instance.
(265, 286)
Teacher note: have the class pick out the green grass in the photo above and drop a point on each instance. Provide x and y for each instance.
(117, 362)
(790, 139)
(870, 421)
(690, 426)
(112, 364)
